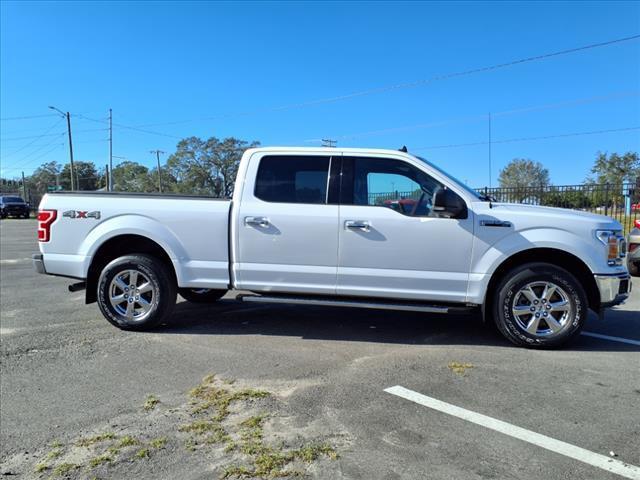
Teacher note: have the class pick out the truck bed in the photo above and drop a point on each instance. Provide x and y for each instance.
(192, 230)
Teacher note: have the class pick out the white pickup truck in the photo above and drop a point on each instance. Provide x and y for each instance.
(342, 227)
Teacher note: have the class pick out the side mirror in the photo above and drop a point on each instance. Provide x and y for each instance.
(448, 204)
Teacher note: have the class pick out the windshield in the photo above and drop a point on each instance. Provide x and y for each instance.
(12, 200)
(452, 178)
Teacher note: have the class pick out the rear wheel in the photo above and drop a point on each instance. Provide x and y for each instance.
(201, 295)
(634, 268)
(540, 305)
(136, 292)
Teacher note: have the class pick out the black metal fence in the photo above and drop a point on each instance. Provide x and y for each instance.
(620, 201)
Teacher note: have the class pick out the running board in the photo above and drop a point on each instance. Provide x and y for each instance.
(350, 302)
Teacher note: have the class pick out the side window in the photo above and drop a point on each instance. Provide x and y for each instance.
(292, 179)
(389, 183)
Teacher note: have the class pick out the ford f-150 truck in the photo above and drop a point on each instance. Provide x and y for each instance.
(324, 226)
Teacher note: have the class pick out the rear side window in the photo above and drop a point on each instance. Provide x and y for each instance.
(292, 179)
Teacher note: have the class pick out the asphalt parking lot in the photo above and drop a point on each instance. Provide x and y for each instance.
(68, 376)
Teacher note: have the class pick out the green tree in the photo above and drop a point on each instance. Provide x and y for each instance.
(614, 168)
(207, 167)
(169, 182)
(85, 174)
(46, 175)
(524, 178)
(131, 177)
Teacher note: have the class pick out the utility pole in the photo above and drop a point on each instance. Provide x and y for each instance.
(158, 152)
(489, 149)
(68, 116)
(24, 189)
(109, 183)
(327, 142)
(107, 174)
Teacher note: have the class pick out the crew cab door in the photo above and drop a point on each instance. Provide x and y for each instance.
(392, 243)
(286, 228)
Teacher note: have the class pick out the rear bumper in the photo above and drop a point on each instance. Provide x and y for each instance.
(38, 263)
(614, 289)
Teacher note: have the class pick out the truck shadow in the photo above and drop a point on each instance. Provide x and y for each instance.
(229, 317)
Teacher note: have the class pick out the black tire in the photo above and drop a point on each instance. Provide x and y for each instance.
(201, 295)
(512, 295)
(634, 269)
(158, 302)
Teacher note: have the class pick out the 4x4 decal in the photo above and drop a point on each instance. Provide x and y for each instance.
(81, 214)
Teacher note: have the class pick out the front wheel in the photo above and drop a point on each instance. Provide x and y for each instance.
(201, 295)
(540, 305)
(136, 292)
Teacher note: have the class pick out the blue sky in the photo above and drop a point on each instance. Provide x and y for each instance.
(221, 69)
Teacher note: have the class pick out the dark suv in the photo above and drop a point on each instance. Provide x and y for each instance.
(12, 206)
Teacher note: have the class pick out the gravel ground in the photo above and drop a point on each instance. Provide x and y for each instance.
(73, 389)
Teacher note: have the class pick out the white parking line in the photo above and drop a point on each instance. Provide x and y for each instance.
(613, 339)
(12, 261)
(595, 459)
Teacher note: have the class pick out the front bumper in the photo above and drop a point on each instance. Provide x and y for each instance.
(614, 289)
(15, 211)
(38, 263)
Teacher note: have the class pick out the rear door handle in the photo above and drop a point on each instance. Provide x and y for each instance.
(256, 221)
(361, 225)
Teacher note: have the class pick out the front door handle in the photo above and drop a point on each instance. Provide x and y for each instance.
(361, 225)
(256, 221)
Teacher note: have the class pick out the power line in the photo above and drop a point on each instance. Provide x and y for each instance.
(439, 123)
(413, 84)
(53, 134)
(128, 127)
(526, 139)
(27, 117)
(28, 144)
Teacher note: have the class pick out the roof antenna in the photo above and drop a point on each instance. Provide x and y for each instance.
(403, 149)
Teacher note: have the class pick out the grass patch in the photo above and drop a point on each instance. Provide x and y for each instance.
(270, 463)
(142, 453)
(238, 471)
(41, 467)
(56, 444)
(64, 469)
(253, 422)
(151, 402)
(87, 442)
(99, 460)
(114, 450)
(309, 453)
(200, 427)
(208, 396)
(53, 454)
(158, 442)
(460, 368)
(128, 441)
(190, 445)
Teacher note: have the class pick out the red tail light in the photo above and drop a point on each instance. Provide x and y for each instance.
(45, 219)
(637, 223)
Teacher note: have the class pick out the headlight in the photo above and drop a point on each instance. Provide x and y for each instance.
(616, 245)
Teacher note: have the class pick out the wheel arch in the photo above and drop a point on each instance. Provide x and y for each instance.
(553, 256)
(118, 246)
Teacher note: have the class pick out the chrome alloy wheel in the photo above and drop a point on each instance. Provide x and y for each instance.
(542, 309)
(131, 294)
